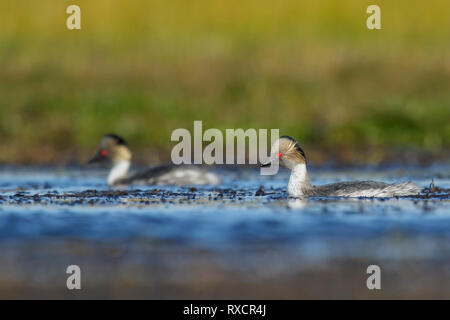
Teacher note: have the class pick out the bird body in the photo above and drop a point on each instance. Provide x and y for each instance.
(115, 150)
(288, 152)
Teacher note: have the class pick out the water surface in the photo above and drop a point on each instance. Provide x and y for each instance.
(230, 240)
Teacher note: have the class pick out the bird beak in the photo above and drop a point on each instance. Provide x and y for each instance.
(97, 158)
(270, 167)
(269, 162)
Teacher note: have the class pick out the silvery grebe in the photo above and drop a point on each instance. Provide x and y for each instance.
(288, 152)
(115, 149)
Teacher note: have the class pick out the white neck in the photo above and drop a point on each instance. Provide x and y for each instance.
(118, 171)
(299, 181)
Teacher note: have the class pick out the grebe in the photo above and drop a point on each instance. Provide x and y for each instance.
(115, 150)
(288, 152)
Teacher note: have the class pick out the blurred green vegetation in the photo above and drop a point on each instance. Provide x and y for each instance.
(144, 68)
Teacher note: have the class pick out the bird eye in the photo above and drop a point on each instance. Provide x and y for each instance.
(280, 154)
(104, 153)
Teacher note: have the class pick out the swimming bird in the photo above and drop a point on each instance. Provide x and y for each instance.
(115, 150)
(288, 152)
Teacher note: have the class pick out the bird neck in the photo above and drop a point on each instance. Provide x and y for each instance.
(299, 180)
(118, 171)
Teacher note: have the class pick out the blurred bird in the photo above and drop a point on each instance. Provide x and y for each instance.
(289, 154)
(115, 150)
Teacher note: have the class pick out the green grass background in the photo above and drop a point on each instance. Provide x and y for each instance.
(144, 68)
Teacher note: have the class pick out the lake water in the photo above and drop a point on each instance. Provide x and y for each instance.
(226, 241)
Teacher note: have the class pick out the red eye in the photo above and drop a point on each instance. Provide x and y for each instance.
(280, 154)
(104, 153)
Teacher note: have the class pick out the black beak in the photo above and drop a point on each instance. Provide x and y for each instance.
(263, 165)
(97, 158)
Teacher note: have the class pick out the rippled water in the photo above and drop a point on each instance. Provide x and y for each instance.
(227, 231)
